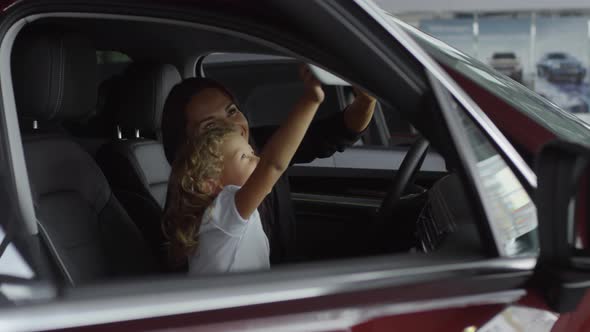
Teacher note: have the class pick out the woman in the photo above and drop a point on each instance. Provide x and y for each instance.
(195, 103)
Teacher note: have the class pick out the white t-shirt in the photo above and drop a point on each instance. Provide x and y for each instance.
(228, 242)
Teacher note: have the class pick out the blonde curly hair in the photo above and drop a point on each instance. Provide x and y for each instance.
(199, 160)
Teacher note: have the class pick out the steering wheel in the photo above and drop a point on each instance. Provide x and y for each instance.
(403, 177)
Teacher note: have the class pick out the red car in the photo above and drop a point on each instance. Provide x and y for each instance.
(463, 207)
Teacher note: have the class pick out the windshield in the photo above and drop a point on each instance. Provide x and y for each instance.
(556, 56)
(539, 109)
(504, 56)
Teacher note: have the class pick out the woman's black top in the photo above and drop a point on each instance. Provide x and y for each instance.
(323, 138)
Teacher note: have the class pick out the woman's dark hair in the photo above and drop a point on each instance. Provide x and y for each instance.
(174, 116)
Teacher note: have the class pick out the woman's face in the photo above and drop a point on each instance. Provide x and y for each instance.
(212, 104)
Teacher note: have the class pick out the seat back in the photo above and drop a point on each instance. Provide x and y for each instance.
(83, 225)
(136, 167)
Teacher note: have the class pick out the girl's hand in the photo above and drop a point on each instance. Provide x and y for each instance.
(313, 87)
(358, 114)
(280, 148)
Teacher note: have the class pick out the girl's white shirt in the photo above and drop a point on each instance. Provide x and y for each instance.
(228, 242)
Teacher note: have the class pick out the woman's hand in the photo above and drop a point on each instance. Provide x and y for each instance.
(313, 88)
(358, 114)
(362, 94)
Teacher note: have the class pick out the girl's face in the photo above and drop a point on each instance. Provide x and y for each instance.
(212, 104)
(239, 161)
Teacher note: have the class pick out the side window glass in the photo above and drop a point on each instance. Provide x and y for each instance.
(110, 66)
(111, 63)
(512, 213)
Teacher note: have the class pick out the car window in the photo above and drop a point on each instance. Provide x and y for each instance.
(504, 56)
(393, 129)
(511, 211)
(266, 86)
(556, 56)
(111, 63)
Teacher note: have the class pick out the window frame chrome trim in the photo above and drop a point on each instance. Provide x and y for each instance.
(126, 307)
(16, 155)
(339, 200)
(468, 157)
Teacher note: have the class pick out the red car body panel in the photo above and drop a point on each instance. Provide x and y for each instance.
(453, 319)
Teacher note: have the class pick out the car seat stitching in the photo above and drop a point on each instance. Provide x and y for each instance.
(154, 100)
(131, 157)
(60, 76)
(54, 253)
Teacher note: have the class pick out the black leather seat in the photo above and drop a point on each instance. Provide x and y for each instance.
(83, 225)
(136, 167)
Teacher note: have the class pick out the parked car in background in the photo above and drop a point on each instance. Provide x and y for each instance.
(508, 64)
(572, 100)
(561, 66)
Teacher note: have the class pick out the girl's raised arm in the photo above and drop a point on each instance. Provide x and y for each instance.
(281, 147)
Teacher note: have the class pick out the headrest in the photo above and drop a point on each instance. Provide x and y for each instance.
(145, 89)
(54, 74)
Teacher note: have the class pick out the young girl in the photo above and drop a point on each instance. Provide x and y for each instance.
(217, 184)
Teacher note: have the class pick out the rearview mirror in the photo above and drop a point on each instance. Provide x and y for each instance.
(563, 269)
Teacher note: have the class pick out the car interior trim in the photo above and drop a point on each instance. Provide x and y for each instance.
(337, 200)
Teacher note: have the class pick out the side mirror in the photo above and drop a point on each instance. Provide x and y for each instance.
(563, 269)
